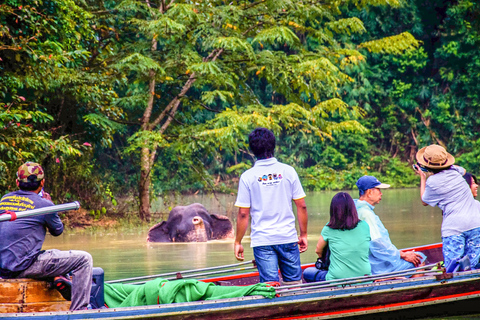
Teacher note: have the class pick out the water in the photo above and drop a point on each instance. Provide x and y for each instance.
(127, 254)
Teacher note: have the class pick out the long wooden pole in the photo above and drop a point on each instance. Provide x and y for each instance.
(46, 210)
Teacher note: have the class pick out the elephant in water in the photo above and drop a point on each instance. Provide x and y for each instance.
(191, 223)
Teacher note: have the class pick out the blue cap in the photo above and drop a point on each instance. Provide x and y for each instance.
(369, 182)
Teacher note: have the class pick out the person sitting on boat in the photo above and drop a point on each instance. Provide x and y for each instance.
(446, 189)
(21, 254)
(266, 192)
(472, 183)
(384, 256)
(348, 239)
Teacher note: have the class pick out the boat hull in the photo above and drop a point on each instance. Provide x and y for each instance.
(428, 295)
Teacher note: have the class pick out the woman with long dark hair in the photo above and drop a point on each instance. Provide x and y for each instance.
(348, 239)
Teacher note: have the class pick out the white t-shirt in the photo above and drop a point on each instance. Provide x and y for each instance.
(268, 190)
(451, 193)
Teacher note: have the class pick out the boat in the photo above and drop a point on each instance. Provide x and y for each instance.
(426, 291)
(432, 291)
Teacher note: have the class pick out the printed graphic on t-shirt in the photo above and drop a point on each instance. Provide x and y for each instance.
(270, 179)
(16, 203)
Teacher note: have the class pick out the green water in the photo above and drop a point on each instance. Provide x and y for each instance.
(127, 254)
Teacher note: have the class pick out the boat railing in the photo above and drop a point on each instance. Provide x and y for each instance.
(195, 273)
(360, 280)
(227, 269)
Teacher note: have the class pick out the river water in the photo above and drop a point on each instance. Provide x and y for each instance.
(124, 254)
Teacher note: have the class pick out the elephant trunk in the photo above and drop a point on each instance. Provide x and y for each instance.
(200, 232)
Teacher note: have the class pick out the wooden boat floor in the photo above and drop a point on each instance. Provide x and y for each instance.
(28, 295)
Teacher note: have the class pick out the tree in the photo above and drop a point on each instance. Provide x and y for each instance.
(190, 70)
(49, 83)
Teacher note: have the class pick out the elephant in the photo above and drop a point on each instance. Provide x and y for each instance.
(191, 223)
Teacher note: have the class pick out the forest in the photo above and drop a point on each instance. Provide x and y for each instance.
(141, 99)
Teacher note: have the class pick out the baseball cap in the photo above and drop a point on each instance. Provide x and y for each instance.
(370, 182)
(30, 169)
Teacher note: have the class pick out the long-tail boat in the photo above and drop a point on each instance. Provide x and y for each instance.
(416, 293)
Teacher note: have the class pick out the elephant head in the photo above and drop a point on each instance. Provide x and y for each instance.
(191, 223)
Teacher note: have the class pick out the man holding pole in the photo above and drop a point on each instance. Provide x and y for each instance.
(21, 254)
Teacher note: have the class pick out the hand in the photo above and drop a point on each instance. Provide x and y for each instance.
(302, 243)
(411, 256)
(419, 171)
(238, 251)
(46, 195)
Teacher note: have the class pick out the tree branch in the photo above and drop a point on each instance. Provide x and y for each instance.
(171, 108)
(184, 92)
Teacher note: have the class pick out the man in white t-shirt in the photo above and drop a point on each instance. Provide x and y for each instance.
(265, 193)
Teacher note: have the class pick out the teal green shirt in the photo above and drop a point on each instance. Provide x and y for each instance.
(348, 251)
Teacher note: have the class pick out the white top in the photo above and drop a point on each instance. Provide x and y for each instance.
(451, 193)
(268, 190)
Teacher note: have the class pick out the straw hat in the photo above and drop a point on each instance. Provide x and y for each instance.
(435, 157)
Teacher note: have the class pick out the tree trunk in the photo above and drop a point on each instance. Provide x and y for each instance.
(148, 154)
(144, 185)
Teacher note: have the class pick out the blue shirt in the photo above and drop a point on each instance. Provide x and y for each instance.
(384, 256)
(451, 193)
(21, 240)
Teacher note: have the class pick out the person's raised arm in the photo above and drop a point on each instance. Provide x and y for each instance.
(302, 215)
(423, 182)
(242, 225)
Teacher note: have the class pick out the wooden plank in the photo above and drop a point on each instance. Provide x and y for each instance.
(12, 291)
(10, 307)
(35, 307)
(40, 291)
(29, 295)
(47, 306)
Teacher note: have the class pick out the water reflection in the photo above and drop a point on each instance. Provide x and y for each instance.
(127, 254)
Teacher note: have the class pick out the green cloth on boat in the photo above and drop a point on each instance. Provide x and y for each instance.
(161, 291)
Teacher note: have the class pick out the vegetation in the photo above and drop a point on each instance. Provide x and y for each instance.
(136, 99)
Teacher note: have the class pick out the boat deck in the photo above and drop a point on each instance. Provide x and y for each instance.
(28, 295)
(431, 292)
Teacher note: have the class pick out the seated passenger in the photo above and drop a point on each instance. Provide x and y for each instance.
(384, 256)
(348, 240)
(21, 254)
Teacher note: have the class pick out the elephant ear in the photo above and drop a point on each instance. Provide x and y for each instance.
(158, 233)
(222, 227)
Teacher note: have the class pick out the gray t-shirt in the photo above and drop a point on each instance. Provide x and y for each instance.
(451, 193)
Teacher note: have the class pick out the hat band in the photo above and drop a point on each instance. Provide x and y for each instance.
(435, 163)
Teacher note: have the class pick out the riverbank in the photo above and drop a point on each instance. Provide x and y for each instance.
(82, 219)
(124, 215)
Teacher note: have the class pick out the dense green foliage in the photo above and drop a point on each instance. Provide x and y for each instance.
(142, 98)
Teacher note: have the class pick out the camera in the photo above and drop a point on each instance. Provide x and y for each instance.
(418, 166)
